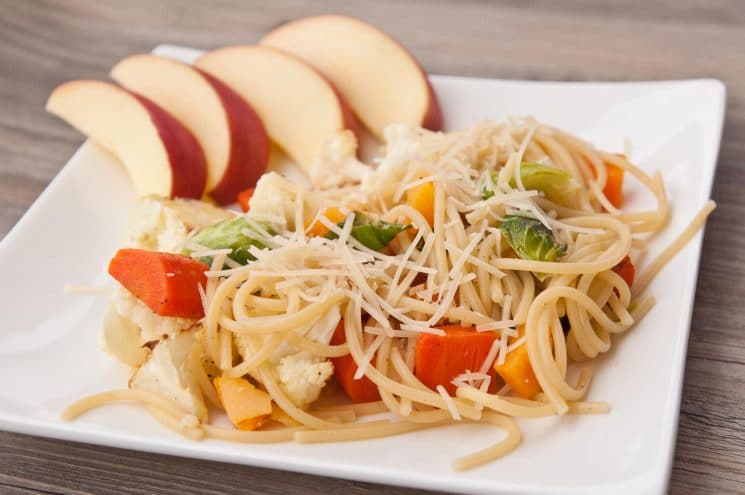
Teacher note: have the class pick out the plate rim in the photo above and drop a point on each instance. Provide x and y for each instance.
(655, 480)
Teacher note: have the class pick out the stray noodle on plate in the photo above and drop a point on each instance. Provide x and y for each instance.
(459, 280)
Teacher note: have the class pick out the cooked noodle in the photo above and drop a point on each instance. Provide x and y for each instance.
(459, 271)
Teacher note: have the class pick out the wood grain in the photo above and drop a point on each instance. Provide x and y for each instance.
(45, 42)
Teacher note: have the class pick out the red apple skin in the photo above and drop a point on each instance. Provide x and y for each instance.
(432, 119)
(349, 121)
(185, 155)
(249, 144)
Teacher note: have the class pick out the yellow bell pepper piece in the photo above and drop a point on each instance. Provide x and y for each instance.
(280, 416)
(247, 407)
(422, 199)
(317, 229)
(517, 372)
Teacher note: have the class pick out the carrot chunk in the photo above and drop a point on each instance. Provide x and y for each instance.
(166, 283)
(244, 197)
(613, 189)
(626, 270)
(362, 390)
(440, 358)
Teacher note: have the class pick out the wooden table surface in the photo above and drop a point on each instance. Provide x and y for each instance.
(43, 43)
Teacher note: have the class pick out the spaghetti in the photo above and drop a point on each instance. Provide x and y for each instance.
(455, 265)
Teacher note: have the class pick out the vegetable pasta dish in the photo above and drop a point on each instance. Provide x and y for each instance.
(461, 277)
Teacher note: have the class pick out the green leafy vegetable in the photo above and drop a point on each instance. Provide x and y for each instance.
(232, 234)
(488, 193)
(557, 185)
(530, 239)
(374, 235)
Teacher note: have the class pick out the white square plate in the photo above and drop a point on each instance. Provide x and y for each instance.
(48, 339)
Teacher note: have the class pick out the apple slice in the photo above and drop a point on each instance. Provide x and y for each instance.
(299, 108)
(161, 155)
(382, 82)
(232, 136)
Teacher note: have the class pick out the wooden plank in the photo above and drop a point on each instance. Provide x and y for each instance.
(47, 42)
(18, 490)
(69, 467)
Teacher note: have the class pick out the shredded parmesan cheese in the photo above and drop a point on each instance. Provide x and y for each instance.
(369, 353)
(449, 402)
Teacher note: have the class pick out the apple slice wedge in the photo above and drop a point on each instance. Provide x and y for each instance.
(382, 82)
(232, 136)
(299, 108)
(161, 155)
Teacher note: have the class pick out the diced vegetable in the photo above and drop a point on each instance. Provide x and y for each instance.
(489, 193)
(280, 416)
(439, 359)
(557, 185)
(318, 229)
(613, 189)
(166, 283)
(121, 338)
(244, 197)
(626, 270)
(230, 234)
(168, 371)
(373, 235)
(376, 235)
(362, 390)
(422, 199)
(164, 225)
(517, 372)
(530, 239)
(247, 407)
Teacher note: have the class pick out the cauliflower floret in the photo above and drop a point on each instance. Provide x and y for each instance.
(164, 224)
(302, 376)
(167, 372)
(152, 326)
(275, 196)
(403, 144)
(336, 162)
(122, 339)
